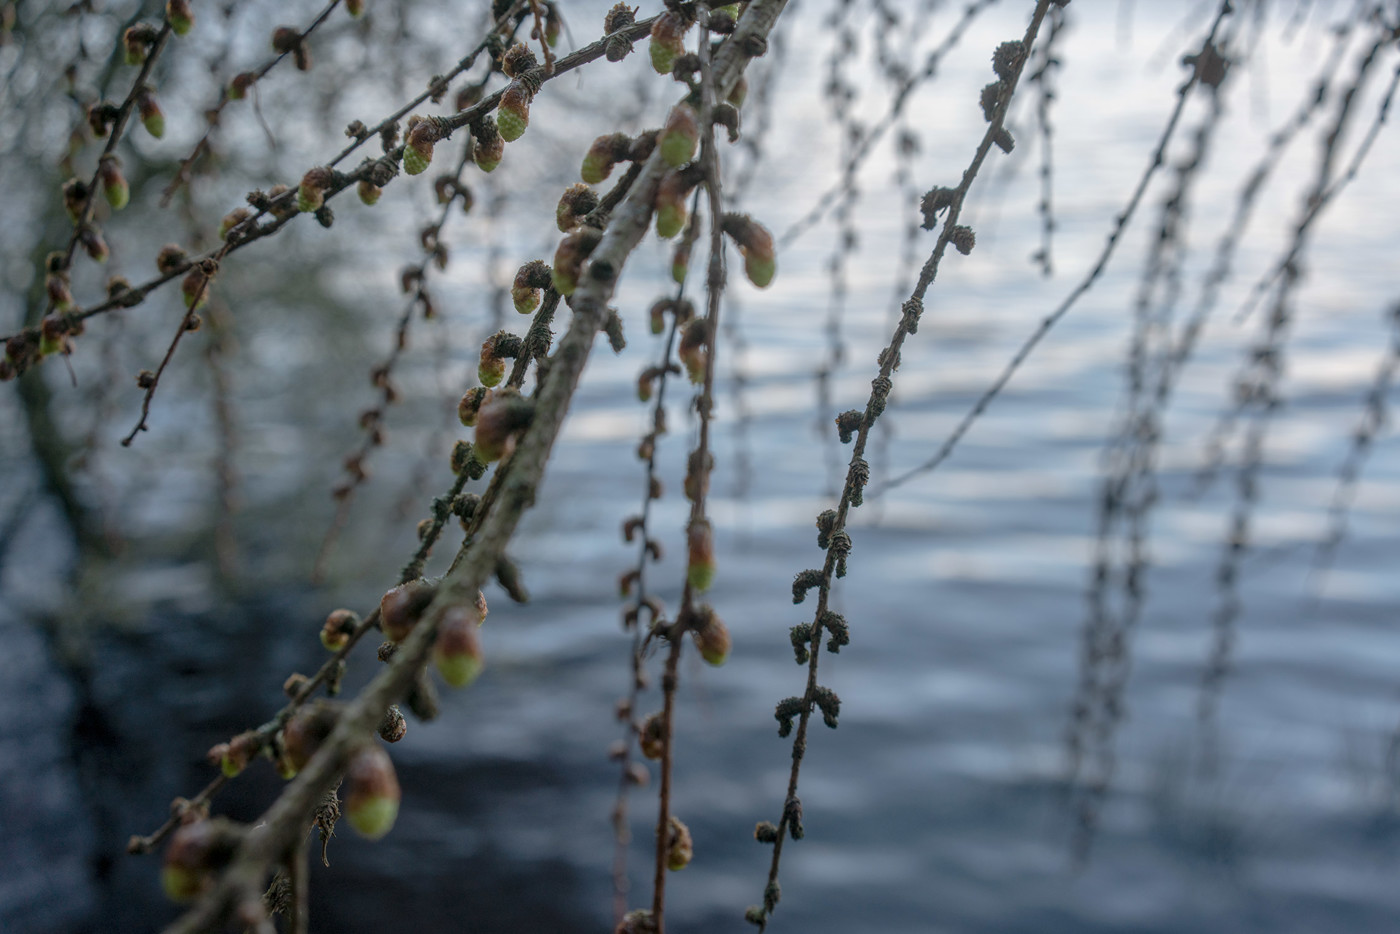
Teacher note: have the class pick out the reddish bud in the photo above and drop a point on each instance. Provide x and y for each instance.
(339, 626)
(372, 804)
(400, 608)
(700, 550)
(457, 652)
(680, 136)
(498, 423)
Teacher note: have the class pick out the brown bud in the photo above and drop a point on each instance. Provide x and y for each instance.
(400, 607)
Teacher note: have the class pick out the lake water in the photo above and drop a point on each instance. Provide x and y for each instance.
(939, 804)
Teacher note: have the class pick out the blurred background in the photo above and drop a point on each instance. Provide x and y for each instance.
(156, 596)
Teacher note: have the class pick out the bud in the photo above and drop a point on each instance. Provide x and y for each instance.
(700, 550)
(373, 801)
(338, 628)
(575, 204)
(680, 260)
(238, 87)
(492, 368)
(472, 401)
(235, 755)
(368, 191)
(711, 636)
(197, 850)
(231, 220)
(756, 245)
(152, 117)
(651, 738)
(488, 147)
(355, 8)
(692, 350)
(393, 727)
(179, 15)
(740, 92)
(498, 423)
(513, 112)
(963, 239)
(138, 40)
(75, 194)
(418, 146)
(170, 259)
(529, 280)
(195, 288)
(114, 186)
(679, 848)
(96, 247)
(569, 258)
(303, 735)
(517, 60)
(667, 41)
(605, 152)
(639, 921)
(400, 608)
(697, 475)
(680, 136)
(671, 193)
(457, 651)
(311, 193)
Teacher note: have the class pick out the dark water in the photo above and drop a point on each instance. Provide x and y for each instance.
(939, 803)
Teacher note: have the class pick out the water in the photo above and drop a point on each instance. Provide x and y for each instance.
(939, 802)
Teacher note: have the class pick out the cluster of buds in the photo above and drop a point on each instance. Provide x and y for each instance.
(495, 350)
(530, 280)
(755, 245)
(499, 423)
(139, 39)
(197, 851)
(619, 18)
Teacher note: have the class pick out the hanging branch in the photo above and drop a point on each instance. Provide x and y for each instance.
(1009, 62)
(236, 892)
(1201, 62)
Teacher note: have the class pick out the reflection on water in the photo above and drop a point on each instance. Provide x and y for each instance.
(939, 804)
